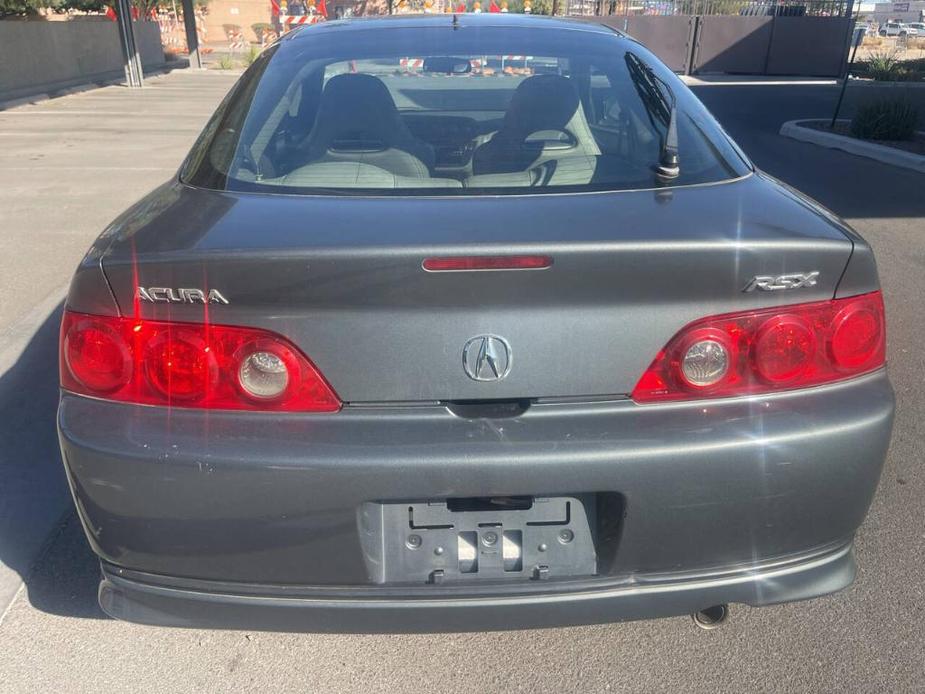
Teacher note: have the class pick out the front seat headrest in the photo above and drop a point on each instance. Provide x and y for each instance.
(357, 120)
(547, 106)
(541, 102)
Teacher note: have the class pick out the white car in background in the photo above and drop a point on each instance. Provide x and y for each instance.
(898, 29)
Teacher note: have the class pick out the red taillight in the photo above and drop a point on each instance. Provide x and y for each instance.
(99, 356)
(856, 335)
(784, 349)
(188, 365)
(767, 350)
(487, 262)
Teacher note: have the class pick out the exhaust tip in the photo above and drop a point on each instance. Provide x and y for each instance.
(711, 617)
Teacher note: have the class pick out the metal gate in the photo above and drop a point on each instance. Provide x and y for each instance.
(671, 38)
(731, 36)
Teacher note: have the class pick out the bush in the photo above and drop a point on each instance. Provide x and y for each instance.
(226, 62)
(885, 66)
(885, 119)
(252, 53)
(22, 8)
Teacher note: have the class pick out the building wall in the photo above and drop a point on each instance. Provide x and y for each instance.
(246, 13)
(38, 57)
(242, 13)
(911, 11)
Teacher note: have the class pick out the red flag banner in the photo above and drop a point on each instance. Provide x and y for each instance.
(322, 9)
(493, 7)
(110, 13)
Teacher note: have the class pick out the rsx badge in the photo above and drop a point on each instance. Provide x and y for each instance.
(168, 295)
(773, 283)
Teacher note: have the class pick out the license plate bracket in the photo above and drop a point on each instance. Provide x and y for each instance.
(486, 538)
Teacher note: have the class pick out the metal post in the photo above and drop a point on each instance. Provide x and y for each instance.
(192, 38)
(134, 75)
(858, 39)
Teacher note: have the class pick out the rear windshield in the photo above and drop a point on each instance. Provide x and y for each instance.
(475, 110)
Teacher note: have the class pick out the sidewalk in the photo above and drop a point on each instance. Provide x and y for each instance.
(68, 166)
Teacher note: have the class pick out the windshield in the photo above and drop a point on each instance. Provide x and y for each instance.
(435, 110)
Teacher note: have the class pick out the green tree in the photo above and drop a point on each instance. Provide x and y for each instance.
(85, 5)
(24, 8)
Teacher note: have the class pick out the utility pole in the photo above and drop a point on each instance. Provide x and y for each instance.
(192, 38)
(134, 76)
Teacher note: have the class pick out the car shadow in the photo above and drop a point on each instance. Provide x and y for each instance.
(41, 539)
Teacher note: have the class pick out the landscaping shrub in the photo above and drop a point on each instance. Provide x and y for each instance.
(250, 56)
(885, 119)
(885, 66)
(226, 62)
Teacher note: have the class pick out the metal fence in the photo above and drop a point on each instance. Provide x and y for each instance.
(735, 8)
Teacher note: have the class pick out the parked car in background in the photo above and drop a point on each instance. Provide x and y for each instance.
(918, 27)
(416, 343)
(897, 29)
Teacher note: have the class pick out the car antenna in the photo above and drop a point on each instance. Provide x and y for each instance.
(649, 85)
(455, 21)
(668, 168)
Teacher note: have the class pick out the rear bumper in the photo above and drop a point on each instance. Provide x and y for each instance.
(724, 501)
(148, 600)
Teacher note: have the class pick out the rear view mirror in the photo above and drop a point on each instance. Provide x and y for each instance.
(447, 65)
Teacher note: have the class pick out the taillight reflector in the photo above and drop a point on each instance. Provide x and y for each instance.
(487, 262)
(769, 350)
(188, 365)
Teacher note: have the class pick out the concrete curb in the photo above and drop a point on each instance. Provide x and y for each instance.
(888, 155)
(724, 80)
(865, 83)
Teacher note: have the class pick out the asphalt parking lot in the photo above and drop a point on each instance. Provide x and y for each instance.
(69, 165)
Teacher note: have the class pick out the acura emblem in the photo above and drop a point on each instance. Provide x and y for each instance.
(487, 358)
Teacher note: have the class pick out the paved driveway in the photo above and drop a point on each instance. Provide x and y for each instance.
(100, 150)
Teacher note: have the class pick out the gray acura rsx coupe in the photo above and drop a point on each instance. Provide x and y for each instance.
(469, 322)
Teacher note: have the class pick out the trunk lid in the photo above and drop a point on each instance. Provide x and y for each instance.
(342, 278)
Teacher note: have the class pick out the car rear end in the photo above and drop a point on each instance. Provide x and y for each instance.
(430, 407)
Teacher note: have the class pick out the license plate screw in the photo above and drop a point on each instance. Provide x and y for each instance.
(543, 547)
(413, 541)
(566, 536)
(438, 551)
(490, 538)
